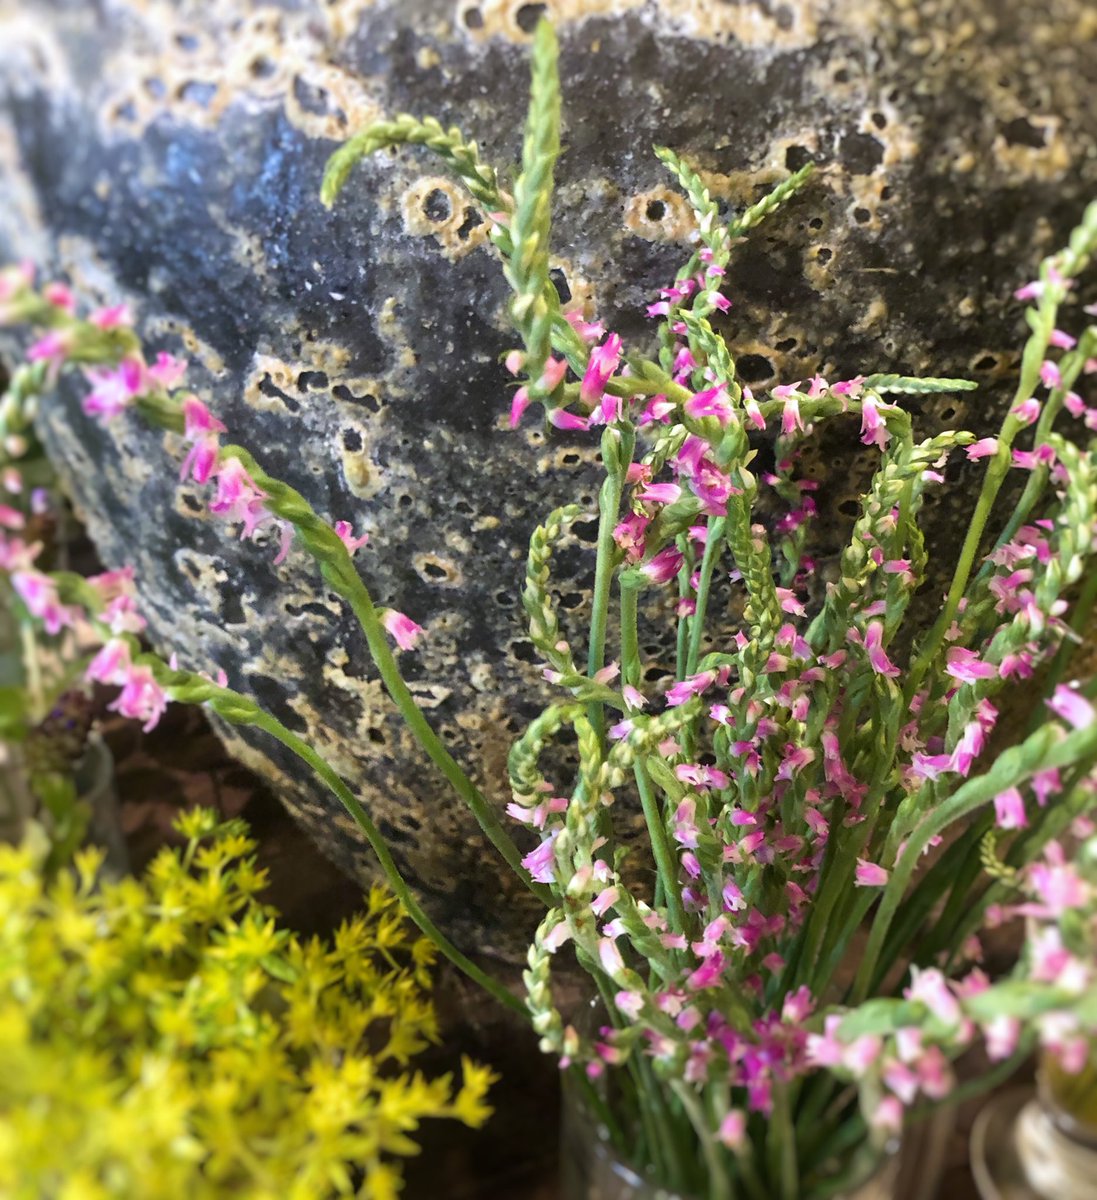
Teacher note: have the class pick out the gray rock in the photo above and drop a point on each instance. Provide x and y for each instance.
(170, 154)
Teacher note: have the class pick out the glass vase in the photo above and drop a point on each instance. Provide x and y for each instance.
(592, 1169)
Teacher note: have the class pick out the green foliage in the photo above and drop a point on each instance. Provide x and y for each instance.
(166, 1037)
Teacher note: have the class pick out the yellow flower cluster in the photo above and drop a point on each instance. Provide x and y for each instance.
(164, 1037)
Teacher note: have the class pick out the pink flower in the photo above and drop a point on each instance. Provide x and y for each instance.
(754, 413)
(403, 630)
(1049, 374)
(39, 593)
(874, 431)
(660, 493)
(887, 1116)
(54, 347)
(201, 429)
(1002, 1035)
(967, 666)
(790, 416)
(733, 1129)
(1028, 411)
(983, 448)
(141, 697)
(1062, 340)
(112, 316)
(1009, 809)
(603, 361)
(877, 658)
(869, 874)
(11, 518)
(111, 665)
(664, 566)
(1072, 707)
(518, 406)
(167, 371)
(346, 535)
(238, 498)
(711, 403)
(115, 388)
(60, 296)
(540, 863)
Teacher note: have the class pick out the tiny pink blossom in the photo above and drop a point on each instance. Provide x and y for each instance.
(733, 1129)
(790, 416)
(53, 347)
(112, 316)
(664, 566)
(877, 658)
(201, 429)
(1072, 707)
(115, 388)
(1009, 809)
(714, 402)
(603, 361)
(345, 531)
(541, 863)
(967, 666)
(1062, 340)
(60, 296)
(869, 874)
(983, 448)
(167, 371)
(403, 629)
(11, 518)
(1050, 376)
(1028, 411)
(141, 697)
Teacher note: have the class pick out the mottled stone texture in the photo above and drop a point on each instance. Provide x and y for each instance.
(170, 154)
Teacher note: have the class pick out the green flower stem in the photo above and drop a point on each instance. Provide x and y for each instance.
(719, 1181)
(1047, 747)
(781, 1146)
(338, 570)
(188, 688)
(617, 455)
(660, 848)
(713, 541)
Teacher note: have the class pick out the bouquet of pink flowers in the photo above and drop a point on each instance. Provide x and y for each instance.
(785, 966)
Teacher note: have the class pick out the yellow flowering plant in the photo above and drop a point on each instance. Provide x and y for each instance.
(165, 1036)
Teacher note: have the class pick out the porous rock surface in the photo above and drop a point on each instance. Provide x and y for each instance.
(169, 154)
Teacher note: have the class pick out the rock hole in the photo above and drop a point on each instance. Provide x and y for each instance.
(560, 283)
(862, 153)
(785, 18)
(569, 459)
(527, 16)
(824, 254)
(404, 501)
(195, 91)
(786, 345)
(474, 18)
(885, 193)
(352, 441)
(155, 88)
(503, 599)
(879, 120)
(435, 570)
(656, 210)
(987, 363)
(850, 508)
(436, 206)
(1021, 132)
(585, 531)
(262, 67)
(754, 368)
(841, 75)
(268, 388)
(861, 215)
(311, 381)
(654, 674)
(376, 736)
(797, 157)
(947, 414)
(186, 41)
(571, 599)
(523, 650)
(815, 223)
(471, 221)
(311, 98)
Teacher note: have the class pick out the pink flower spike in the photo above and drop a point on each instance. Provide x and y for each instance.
(112, 316)
(603, 361)
(967, 666)
(983, 448)
(346, 535)
(403, 630)
(1072, 707)
(541, 863)
(1009, 810)
(790, 416)
(869, 874)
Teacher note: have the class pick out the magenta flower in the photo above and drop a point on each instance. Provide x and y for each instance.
(754, 413)
(733, 1129)
(877, 658)
(54, 347)
(60, 296)
(1062, 340)
(967, 666)
(1049, 374)
(167, 371)
(111, 317)
(403, 630)
(39, 593)
(983, 448)
(115, 388)
(660, 493)
(201, 429)
(1072, 707)
(790, 416)
(112, 664)
(141, 697)
(869, 874)
(874, 431)
(346, 535)
(540, 863)
(1009, 809)
(1028, 411)
(664, 566)
(11, 518)
(713, 402)
(603, 361)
